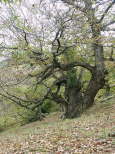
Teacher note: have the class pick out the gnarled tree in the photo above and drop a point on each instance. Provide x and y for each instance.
(69, 44)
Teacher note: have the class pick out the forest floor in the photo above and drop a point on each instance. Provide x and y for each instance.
(89, 134)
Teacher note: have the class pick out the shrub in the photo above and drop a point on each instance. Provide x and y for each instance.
(49, 106)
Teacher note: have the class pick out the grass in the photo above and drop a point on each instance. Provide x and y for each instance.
(86, 134)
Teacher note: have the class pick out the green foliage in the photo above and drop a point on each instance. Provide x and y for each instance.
(10, 1)
(1, 128)
(28, 116)
(49, 106)
(71, 78)
(69, 57)
(13, 1)
(35, 92)
(8, 120)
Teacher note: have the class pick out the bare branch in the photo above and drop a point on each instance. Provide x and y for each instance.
(106, 11)
(40, 102)
(72, 3)
(57, 39)
(109, 29)
(18, 102)
(108, 24)
(66, 67)
(106, 99)
(25, 38)
(10, 48)
(58, 98)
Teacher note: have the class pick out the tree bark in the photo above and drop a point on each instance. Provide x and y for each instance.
(74, 107)
(96, 83)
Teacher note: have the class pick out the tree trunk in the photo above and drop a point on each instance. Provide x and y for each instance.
(75, 102)
(96, 83)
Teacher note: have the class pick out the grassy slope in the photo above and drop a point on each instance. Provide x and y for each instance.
(84, 135)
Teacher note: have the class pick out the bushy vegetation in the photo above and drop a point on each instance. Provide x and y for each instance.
(17, 115)
(49, 107)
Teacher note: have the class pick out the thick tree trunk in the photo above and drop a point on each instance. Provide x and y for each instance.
(96, 83)
(75, 103)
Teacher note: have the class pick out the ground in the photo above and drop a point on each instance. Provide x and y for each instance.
(89, 134)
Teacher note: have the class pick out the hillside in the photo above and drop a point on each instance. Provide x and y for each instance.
(91, 133)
